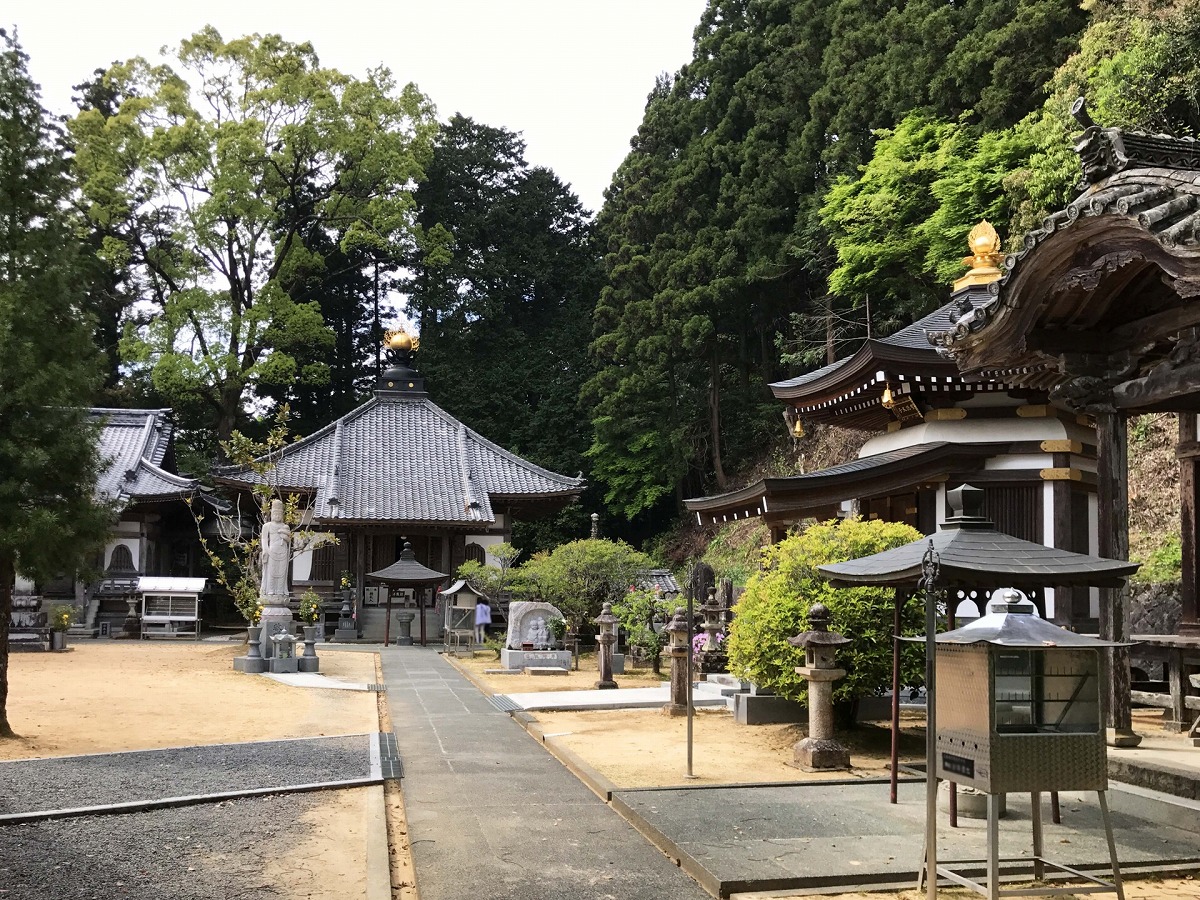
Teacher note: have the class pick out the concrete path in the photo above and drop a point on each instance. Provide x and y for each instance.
(491, 814)
(625, 698)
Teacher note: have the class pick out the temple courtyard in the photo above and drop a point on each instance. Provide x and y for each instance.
(155, 771)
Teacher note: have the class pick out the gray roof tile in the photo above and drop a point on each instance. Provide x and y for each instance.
(403, 458)
(134, 443)
(911, 337)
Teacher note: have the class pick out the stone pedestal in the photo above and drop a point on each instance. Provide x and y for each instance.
(679, 683)
(309, 662)
(518, 660)
(287, 665)
(275, 620)
(404, 620)
(605, 655)
(819, 751)
(252, 663)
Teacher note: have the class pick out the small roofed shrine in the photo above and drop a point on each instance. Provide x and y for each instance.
(1000, 732)
(1099, 309)
(400, 468)
(934, 430)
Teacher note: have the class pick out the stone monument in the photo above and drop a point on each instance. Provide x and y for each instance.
(275, 555)
(819, 751)
(529, 641)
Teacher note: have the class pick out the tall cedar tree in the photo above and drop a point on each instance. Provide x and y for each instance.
(49, 521)
(713, 226)
(503, 299)
(232, 161)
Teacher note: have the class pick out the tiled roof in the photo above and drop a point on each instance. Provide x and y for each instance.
(403, 458)
(134, 443)
(911, 337)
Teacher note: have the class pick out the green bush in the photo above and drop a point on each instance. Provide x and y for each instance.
(777, 599)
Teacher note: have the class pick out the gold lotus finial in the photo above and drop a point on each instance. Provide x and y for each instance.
(399, 339)
(985, 256)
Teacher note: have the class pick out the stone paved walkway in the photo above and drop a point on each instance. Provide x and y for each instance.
(491, 814)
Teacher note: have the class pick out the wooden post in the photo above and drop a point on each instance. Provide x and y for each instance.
(1189, 620)
(1112, 445)
(1062, 538)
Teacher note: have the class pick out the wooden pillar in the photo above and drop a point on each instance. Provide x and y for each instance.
(1062, 538)
(1189, 621)
(1112, 445)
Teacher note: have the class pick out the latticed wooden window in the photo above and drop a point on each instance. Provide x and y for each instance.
(323, 564)
(122, 560)
(476, 553)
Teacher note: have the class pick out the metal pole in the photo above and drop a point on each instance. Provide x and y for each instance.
(897, 623)
(929, 570)
(691, 601)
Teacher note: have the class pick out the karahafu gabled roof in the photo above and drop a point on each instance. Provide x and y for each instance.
(135, 445)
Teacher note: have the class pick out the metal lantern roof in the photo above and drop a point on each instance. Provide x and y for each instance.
(971, 551)
(407, 572)
(1013, 622)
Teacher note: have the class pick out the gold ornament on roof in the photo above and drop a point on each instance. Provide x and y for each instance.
(399, 339)
(985, 257)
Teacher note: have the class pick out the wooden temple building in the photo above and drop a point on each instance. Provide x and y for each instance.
(399, 468)
(1024, 382)
(155, 533)
(934, 431)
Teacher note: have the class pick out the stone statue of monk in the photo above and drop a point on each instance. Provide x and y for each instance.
(276, 553)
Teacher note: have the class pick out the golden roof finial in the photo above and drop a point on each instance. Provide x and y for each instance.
(985, 257)
(400, 339)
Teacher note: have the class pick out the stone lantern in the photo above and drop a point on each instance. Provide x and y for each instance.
(677, 628)
(712, 658)
(606, 638)
(819, 751)
(284, 656)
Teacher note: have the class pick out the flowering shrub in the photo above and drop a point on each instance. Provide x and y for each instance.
(310, 607)
(60, 617)
(701, 638)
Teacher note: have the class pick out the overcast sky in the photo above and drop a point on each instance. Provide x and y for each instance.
(571, 75)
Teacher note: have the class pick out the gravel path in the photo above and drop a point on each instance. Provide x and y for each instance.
(80, 781)
(209, 852)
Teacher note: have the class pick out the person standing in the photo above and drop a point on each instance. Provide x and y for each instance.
(483, 618)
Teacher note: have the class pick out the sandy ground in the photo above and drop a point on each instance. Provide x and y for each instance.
(644, 748)
(584, 679)
(102, 697)
(106, 696)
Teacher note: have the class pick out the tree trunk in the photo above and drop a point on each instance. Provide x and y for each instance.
(7, 575)
(714, 412)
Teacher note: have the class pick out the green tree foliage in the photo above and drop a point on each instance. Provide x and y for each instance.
(206, 179)
(580, 577)
(503, 289)
(775, 607)
(717, 226)
(638, 610)
(49, 520)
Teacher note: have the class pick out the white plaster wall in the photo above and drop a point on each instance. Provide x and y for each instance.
(1048, 537)
(980, 431)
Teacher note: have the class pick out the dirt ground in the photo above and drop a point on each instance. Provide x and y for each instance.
(110, 696)
(107, 696)
(101, 697)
